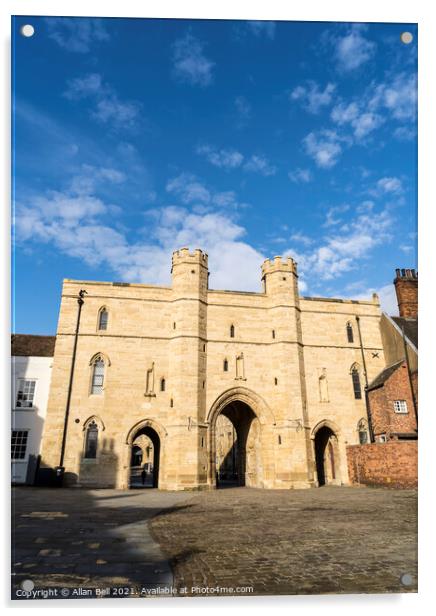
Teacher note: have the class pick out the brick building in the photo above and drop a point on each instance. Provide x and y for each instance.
(393, 394)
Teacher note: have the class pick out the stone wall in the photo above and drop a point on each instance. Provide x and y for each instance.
(392, 464)
(276, 346)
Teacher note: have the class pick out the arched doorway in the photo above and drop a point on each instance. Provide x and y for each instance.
(144, 458)
(327, 456)
(237, 446)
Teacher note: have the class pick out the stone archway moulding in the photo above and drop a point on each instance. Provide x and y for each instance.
(242, 394)
(145, 423)
(325, 423)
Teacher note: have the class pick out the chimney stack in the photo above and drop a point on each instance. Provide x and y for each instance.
(406, 288)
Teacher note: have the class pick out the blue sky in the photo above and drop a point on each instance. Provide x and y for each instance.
(136, 137)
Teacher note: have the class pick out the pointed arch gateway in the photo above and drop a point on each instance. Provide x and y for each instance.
(239, 422)
(144, 442)
(325, 437)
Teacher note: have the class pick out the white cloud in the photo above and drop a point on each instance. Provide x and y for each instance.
(343, 251)
(363, 122)
(332, 217)
(72, 223)
(398, 96)
(301, 238)
(189, 62)
(405, 133)
(108, 108)
(188, 188)
(324, 147)
(259, 164)
(227, 159)
(299, 175)
(76, 34)
(353, 50)
(390, 185)
(387, 297)
(312, 97)
(262, 28)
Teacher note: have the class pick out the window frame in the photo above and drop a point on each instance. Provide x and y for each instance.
(350, 333)
(357, 385)
(91, 428)
(32, 405)
(97, 359)
(15, 445)
(397, 407)
(103, 311)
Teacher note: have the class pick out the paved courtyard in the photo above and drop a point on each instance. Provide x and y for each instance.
(327, 540)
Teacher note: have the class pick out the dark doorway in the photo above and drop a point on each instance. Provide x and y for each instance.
(144, 459)
(231, 442)
(326, 456)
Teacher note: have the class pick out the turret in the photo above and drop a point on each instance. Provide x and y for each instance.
(190, 272)
(279, 277)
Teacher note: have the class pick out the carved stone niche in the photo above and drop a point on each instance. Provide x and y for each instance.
(240, 367)
(323, 386)
(149, 383)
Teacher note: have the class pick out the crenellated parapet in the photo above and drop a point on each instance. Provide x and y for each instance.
(279, 264)
(183, 255)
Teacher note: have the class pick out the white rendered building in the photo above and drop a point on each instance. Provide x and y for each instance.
(32, 360)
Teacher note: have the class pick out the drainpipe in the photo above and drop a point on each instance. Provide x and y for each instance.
(368, 413)
(60, 469)
(409, 373)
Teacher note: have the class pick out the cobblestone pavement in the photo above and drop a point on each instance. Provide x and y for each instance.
(70, 538)
(326, 540)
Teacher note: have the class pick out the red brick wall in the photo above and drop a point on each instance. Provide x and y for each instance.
(393, 464)
(407, 296)
(381, 403)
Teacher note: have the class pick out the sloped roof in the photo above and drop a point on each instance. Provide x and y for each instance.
(383, 376)
(28, 345)
(410, 328)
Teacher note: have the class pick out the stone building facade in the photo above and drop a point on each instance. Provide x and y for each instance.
(287, 371)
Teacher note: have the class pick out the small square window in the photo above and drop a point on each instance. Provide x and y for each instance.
(400, 406)
(25, 393)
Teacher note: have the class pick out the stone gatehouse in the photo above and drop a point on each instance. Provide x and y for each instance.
(263, 389)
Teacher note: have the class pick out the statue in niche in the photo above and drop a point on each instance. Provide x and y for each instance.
(149, 385)
(323, 386)
(240, 368)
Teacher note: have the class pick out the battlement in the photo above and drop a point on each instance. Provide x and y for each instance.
(278, 264)
(183, 255)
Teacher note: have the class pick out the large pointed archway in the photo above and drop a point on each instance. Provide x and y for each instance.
(238, 422)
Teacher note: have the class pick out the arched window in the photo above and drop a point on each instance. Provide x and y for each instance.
(91, 440)
(362, 429)
(350, 334)
(355, 377)
(97, 375)
(103, 317)
(162, 384)
(232, 331)
(226, 365)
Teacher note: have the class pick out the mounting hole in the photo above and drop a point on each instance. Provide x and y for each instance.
(27, 30)
(406, 579)
(406, 38)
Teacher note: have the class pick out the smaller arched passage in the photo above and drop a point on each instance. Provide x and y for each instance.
(326, 449)
(144, 443)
